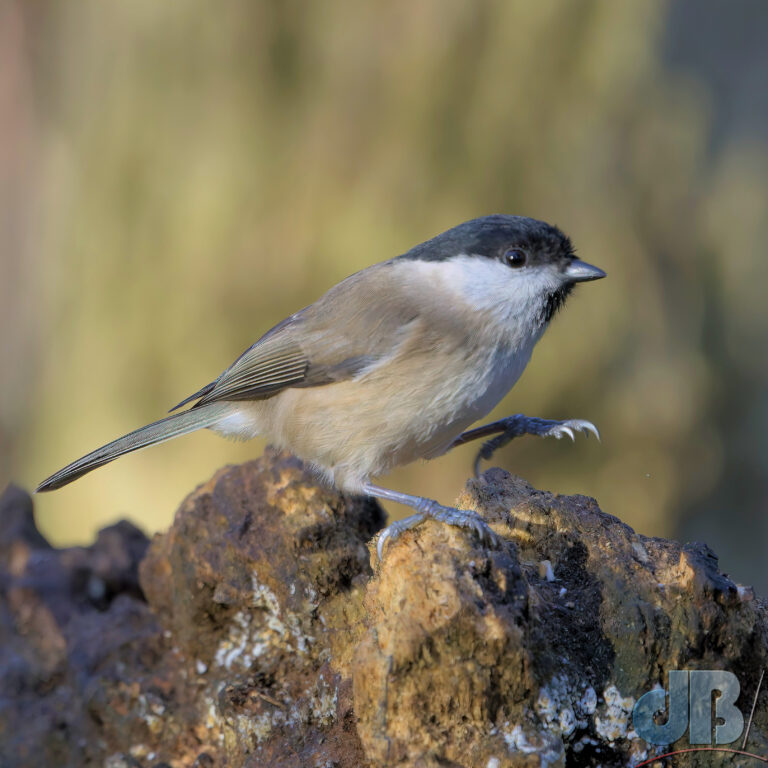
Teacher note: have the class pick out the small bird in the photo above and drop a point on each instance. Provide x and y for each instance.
(393, 364)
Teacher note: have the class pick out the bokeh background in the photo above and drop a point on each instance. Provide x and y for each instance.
(177, 177)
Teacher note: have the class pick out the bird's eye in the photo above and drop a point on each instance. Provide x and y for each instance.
(515, 257)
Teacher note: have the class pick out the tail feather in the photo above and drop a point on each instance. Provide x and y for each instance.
(158, 432)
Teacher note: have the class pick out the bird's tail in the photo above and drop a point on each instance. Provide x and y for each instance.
(160, 431)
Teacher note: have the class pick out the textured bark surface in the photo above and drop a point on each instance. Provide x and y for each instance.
(260, 631)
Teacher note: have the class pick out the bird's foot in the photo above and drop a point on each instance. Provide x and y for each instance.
(558, 429)
(515, 426)
(459, 517)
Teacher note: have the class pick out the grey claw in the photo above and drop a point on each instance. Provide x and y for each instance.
(568, 428)
(590, 427)
(458, 517)
(583, 426)
(473, 521)
(489, 538)
(392, 532)
(383, 536)
(558, 430)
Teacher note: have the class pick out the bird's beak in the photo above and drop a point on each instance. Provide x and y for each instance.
(579, 272)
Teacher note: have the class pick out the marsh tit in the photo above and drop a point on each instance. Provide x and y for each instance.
(392, 364)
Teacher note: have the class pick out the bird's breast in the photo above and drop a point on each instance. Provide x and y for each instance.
(478, 394)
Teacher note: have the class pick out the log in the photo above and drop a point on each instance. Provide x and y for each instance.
(260, 630)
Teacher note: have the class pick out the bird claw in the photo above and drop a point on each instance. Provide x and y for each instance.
(515, 426)
(393, 531)
(449, 515)
(466, 519)
(561, 428)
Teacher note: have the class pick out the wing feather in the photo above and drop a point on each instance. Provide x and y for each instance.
(266, 368)
(311, 347)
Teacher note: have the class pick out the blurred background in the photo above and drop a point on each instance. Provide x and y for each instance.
(175, 178)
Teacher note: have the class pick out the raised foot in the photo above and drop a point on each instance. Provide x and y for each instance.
(450, 515)
(559, 429)
(518, 425)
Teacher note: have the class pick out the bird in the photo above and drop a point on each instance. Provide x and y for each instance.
(393, 364)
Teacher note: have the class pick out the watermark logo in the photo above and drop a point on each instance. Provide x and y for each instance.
(703, 702)
(690, 706)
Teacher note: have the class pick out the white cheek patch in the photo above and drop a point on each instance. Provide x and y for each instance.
(488, 285)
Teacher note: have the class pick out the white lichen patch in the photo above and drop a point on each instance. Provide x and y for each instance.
(612, 723)
(247, 730)
(241, 730)
(587, 704)
(555, 709)
(263, 597)
(253, 730)
(638, 752)
(284, 626)
(567, 721)
(569, 713)
(310, 593)
(241, 645)
(139, 751)
(324, 702)
(546, 705)
(547, 746)
(316, 707)
(151, 711)
(213, 721)
(253, 633)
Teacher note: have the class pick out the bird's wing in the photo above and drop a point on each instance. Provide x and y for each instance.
(310, 349)
(270, 365)
(276, 361)
(261, 370)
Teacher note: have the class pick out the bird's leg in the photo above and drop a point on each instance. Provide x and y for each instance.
(517, 425)
(427, 508)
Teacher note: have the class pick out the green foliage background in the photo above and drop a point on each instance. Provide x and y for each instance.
(177, 177)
